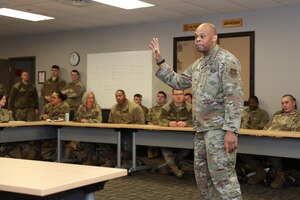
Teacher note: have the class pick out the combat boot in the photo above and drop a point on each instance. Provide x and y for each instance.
(279, 179)
(259, 176)
(177, 172)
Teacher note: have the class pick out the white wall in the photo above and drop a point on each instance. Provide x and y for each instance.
(277, 40)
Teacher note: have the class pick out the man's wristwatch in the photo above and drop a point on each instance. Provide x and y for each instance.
(161, 62)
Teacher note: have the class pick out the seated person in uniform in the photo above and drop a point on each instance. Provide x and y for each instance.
(90, 112)
(5, 116)
(254, 118)
(177, 113)
(153, 118)
(286, 120)
(54, 110)
(126, 112)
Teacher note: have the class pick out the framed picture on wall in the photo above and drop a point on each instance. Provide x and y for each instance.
(41, 77)
(241, 44)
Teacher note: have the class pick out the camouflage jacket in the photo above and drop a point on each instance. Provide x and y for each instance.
(254, 119)
(23, 96)
(217, 90)
(55, 111)
(171, 112)
(93, 115)
(154, 114)
(131, 113)
(51, 86)
(5, 115)
(284, 122)
(74, 91)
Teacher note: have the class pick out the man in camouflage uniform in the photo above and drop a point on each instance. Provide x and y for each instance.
(286, 120)
(138, 98)
(152, 118)
(126, 112)
(53, 84)
(74, 91)
(23, 102)
(217, 105)
(254, 118)
(177, 113)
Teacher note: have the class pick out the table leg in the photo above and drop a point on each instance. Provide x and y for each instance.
(119, 150)
(59, 151)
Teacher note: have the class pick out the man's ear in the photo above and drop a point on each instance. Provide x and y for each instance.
(215, 38)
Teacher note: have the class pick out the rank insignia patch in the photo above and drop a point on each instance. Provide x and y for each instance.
(233, 73)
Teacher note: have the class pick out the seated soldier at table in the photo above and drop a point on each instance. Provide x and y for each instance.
(253, 118)
(126, 112)
(90, 112)
(5, 116)
(153, 118)
(286, 120)
(177, 113)
(55, 110)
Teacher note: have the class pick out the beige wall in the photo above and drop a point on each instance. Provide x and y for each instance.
(276, 48)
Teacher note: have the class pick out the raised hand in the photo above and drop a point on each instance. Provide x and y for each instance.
(154, 45)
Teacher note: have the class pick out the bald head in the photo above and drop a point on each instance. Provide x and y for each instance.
(209, 28)
(206, 38)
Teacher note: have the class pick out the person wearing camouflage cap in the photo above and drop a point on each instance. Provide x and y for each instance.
(217, 104)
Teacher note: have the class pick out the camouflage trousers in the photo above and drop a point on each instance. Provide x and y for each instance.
(214, 168)
(27, 114)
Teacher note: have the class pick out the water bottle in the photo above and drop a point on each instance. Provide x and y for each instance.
(67, 117)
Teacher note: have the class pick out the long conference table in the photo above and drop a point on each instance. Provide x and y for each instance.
(258, 142)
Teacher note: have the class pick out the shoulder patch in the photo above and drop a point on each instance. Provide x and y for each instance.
(233, 73)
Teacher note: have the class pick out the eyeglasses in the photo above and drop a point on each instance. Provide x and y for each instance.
(181, 94)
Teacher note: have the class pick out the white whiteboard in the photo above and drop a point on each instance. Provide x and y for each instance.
(130, 71)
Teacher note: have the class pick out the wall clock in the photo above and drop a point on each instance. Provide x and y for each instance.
(74, 58)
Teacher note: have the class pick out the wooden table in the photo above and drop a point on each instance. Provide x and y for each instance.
(27, 179)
